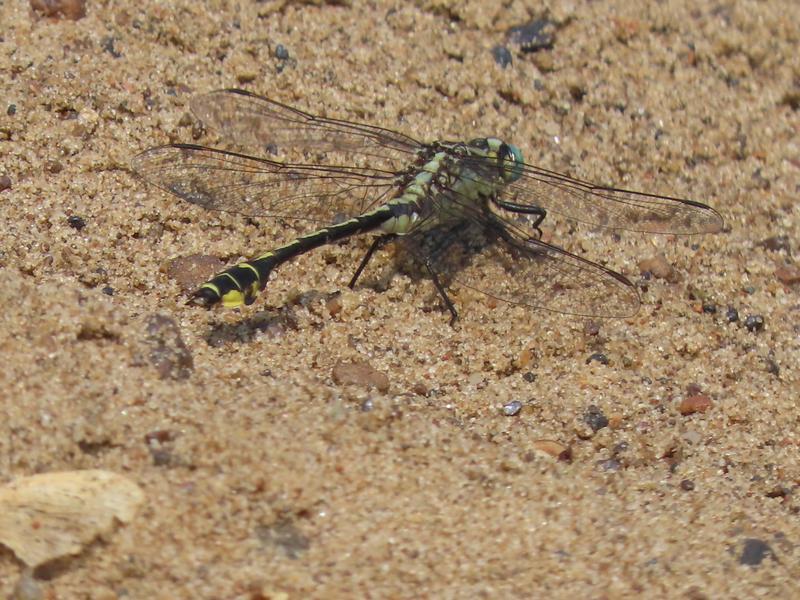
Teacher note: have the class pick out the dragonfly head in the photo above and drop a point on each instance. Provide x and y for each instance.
(508, 156)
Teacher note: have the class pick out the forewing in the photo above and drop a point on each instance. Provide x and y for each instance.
(246, 119)
(241, 184)
(496, 261)
(607, 207)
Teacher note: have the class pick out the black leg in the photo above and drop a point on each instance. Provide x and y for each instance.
(378, 243)
(524, 209)
(440, 288)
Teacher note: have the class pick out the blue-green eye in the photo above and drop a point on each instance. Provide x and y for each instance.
(512, 171)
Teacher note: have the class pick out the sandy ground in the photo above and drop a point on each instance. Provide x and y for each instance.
(270, 468)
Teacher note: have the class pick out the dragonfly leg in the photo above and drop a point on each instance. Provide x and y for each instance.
(377, 244)
(524, 209)
(443, 293)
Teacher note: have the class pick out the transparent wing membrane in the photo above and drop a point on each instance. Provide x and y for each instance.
(497, 261)
(246, 119)
(257, 187)
(607, 207)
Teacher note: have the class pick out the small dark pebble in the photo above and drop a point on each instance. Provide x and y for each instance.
(512, 409)
(281, 53)
(610, 464)
(529, 376)
(198, 130)
(693, 389)
(502, 56)
(791, 99)
(591, 328)
(732, 315)
(710, 309)
(754, 323)
(772, 367)
(776, 243)
(76, 222)
(620, 448)
(779, 491)
(532, 37)
(162, 457)
(108, 290)
(367, 405)
(687, 485)
(754, 552)
(5, 183)
(11, 110)
(420, 389)
(159, 436)
(53, 166)
(285, 535)
(595, 418)
(168, 352)
(107, 44)
(598, 357)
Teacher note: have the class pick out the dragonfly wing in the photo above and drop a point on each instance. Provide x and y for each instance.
(247, 119)
(241, 184)
(604, 206)
(497, 261)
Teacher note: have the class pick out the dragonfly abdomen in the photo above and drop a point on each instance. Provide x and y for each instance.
(241, 283)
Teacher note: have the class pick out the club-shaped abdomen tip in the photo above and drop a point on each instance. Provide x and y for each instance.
(204, 297)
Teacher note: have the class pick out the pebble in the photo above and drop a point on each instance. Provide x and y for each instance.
(502, 56)
(697, 403)
(76, 222)
(595, 418)
(554, 449)
(512, 408)
(754, 323)
(754, 552)
(191, 271)
(359, 373)
(659, 267)
(598, 357)
(788, 274)
(168, 352)
(776, 243)
(60, 9)
(533, 36)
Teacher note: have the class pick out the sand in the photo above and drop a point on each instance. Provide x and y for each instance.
(273, 468)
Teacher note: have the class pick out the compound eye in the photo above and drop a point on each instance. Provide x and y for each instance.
(480, 143)
(512, 161)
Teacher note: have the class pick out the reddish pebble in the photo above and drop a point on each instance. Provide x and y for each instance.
(698, 403)
(5, 183)
(788, 274)
(361, 374)
(191, 271)
(61, 9)
(659, 266)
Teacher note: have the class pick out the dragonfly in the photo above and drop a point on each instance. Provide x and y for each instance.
(468, 213)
